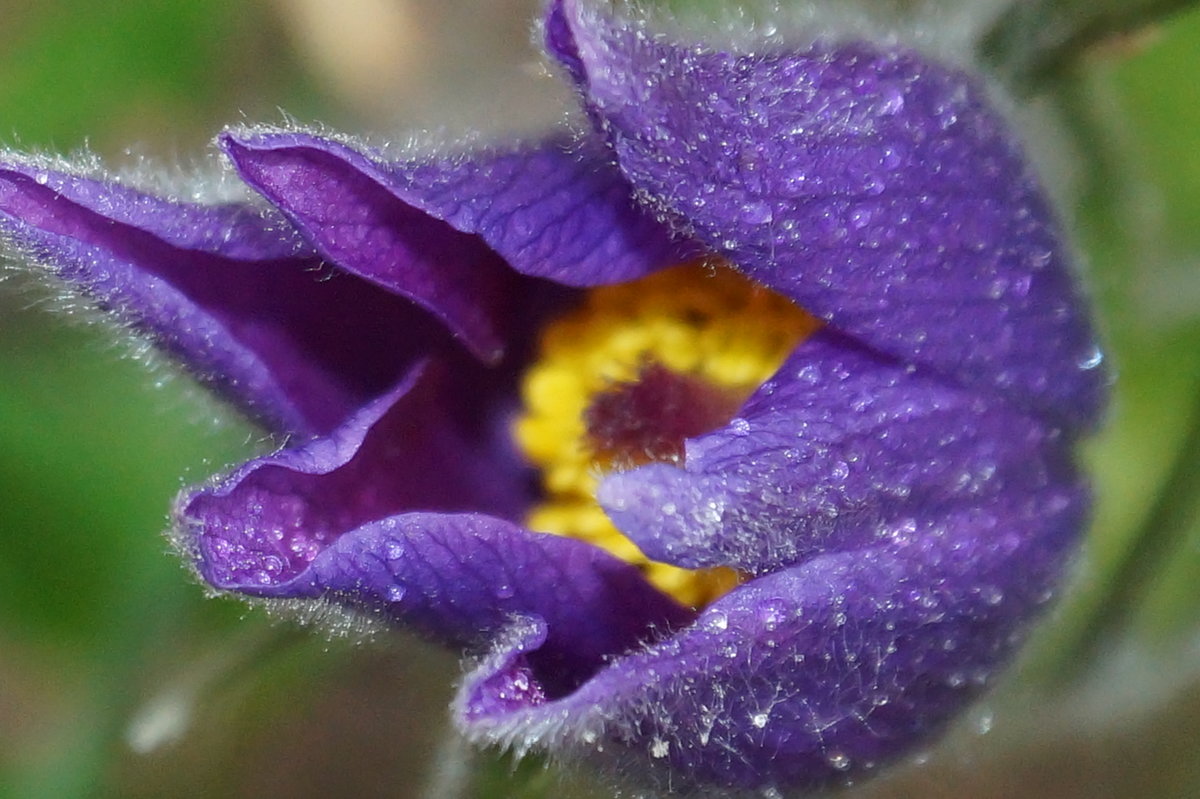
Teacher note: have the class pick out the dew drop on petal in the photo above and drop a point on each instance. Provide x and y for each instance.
(772, 613)
(1091, 359)
(757, 213)
(716, 620)
(839, 760)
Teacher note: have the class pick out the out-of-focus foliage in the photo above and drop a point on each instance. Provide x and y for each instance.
(101, 629)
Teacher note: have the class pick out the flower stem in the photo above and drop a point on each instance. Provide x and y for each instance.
(1161, 533)
(1032, 42)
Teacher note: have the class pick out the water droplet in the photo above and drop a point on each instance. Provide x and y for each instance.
(772, 613)
(892, 100)
(757, 213)
(1091, 359)
(759, 720)
(839, 760)
(716, 620)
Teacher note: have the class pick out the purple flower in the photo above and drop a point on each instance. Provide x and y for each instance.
(896, 501)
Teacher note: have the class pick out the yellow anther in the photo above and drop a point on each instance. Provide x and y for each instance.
(624, 378)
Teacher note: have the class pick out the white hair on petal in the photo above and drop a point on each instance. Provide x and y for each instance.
(412, 145)
(946, 30)
(197, 179)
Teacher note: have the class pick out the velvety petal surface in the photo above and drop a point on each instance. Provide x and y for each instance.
(234, 295)
(878, 189)
(445, 232)
(809, 675)
(461, 579)
(558, 208)
(842, 449)
(375, 517)
(355, 222)
(258, 529)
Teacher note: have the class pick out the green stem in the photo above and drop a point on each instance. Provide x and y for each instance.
(1160, 535)
(1034, 41)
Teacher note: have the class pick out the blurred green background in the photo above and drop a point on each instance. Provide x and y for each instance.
(118, 678)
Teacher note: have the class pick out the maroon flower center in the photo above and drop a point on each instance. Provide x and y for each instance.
(648, 418)
(632, 374)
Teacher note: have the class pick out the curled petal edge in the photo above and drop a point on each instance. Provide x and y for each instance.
(802, 678)
(878, 189)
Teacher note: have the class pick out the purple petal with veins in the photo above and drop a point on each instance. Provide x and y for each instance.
(878, 189)
(900, 497)
(234, 295)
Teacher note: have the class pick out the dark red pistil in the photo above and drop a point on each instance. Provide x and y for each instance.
(647, 419)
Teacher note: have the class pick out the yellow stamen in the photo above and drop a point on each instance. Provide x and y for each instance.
(713, 329)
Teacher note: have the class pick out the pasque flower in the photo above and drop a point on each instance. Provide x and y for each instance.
(782, 546)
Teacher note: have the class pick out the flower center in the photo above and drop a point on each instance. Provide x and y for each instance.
(648, 418)
(632, 373)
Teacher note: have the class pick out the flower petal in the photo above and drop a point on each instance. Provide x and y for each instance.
(434, 230)
(461, 579)
(878, 189)
(804, 677)
(841, 449)
(355, 518)
(357, 224)
(415, 448)
(557, 209)
(234, 295)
